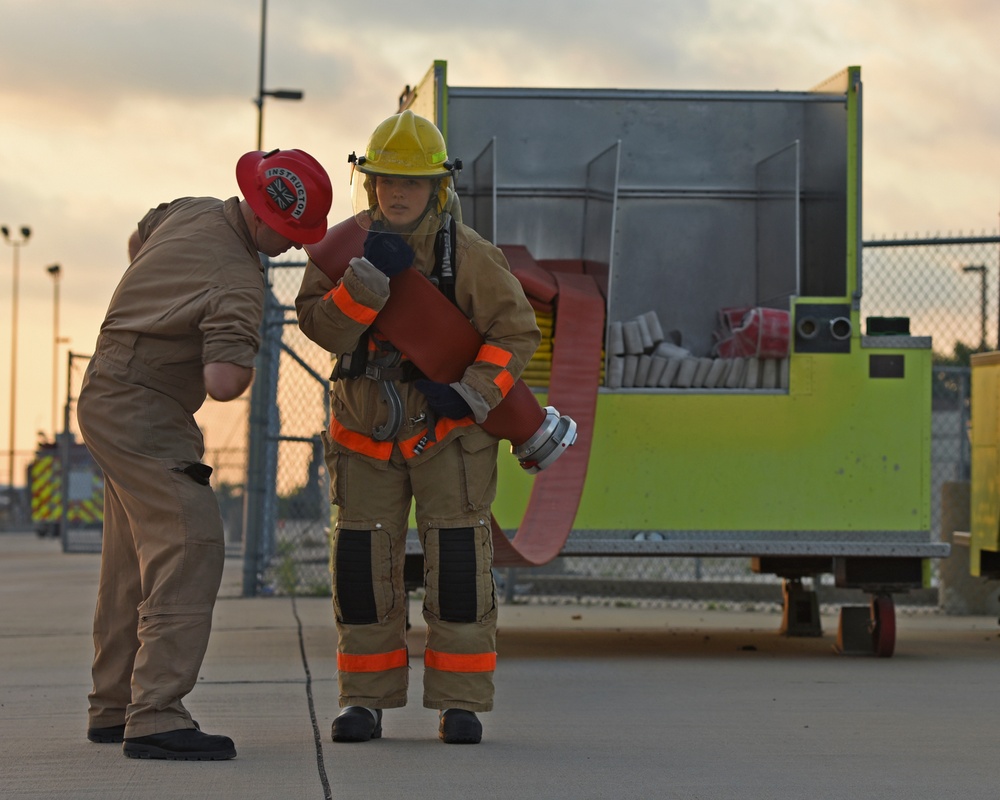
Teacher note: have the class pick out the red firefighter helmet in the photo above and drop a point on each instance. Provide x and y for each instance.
(289, 190)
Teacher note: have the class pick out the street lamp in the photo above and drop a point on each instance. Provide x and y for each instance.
(56, 272)
(278, 94)
(17, 244)
(981, 269)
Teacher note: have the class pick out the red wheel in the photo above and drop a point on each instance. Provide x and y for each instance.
(883, 625)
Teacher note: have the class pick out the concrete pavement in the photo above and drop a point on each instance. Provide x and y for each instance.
(592, 702)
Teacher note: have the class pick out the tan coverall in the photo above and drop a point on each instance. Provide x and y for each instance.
(452, 480)
(193, 295)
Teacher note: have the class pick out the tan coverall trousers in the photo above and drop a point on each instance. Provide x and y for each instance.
(453, 492)
(163, 551)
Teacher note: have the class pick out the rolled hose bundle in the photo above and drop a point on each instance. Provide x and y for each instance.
(438, 338)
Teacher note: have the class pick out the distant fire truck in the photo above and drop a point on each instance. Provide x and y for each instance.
(65, 483)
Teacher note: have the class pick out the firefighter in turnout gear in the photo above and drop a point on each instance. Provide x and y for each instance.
(396, 437)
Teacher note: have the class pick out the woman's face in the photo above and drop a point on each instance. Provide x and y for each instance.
(403, 200)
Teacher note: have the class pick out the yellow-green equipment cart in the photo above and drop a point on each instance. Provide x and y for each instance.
(687, 205)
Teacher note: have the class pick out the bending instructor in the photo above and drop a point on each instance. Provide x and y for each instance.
(182, 324)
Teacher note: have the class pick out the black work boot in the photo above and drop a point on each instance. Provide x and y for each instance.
(357, 724)
(459, 726)
(186, 744)
(113, 734)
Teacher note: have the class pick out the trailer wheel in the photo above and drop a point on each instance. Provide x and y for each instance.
(883, 625)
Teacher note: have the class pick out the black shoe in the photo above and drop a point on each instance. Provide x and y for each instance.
(357, 724)
(113, 734)
(186, 744)
(459, 726)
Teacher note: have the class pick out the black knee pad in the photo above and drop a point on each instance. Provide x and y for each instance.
(352, 574)
(458, 573)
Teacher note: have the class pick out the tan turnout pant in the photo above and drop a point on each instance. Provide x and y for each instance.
(453, 492)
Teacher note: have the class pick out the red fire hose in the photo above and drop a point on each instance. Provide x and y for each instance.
(442, 342)
(438, 338)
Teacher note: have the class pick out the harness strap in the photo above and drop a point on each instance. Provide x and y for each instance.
(346, 368)
(443, 274)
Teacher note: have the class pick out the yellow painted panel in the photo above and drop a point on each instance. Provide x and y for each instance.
(985, 484)
(840, 451)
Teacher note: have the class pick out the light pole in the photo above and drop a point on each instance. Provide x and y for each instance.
(278, 94)
(17, 244)
(55, 270)
(981, 269)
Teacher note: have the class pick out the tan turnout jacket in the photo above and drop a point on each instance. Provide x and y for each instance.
(487, 293)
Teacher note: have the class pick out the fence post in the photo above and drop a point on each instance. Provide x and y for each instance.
(64, 451)
(259, 500)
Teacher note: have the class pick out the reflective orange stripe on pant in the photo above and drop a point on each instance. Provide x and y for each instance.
(460, 662)
(374, 662)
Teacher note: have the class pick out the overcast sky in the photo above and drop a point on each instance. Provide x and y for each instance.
(108, 107)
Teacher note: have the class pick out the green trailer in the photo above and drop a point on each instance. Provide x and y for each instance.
(682, 206)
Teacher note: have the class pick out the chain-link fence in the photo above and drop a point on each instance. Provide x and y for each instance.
(947, 286)
(272, 485)
(287, 500)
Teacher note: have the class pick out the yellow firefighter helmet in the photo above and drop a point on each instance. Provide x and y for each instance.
(409, 146)
(406, 145)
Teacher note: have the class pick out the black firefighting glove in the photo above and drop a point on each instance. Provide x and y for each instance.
(388, 252)
(443, 399)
